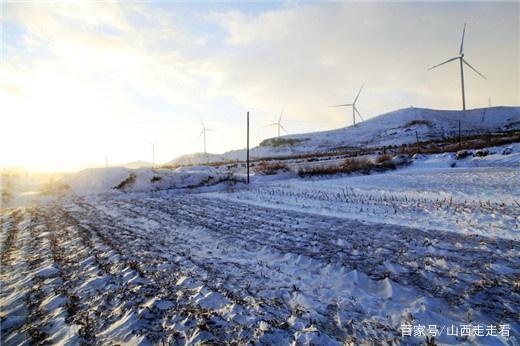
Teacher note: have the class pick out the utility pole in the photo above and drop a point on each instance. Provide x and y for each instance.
(247, 151)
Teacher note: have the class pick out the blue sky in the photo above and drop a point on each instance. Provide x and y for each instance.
(81, 80)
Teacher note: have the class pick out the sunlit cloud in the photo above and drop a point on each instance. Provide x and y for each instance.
(81, 80)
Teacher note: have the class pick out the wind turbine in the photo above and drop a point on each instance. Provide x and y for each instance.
(353, 105)
(279, 124)
(203, 133)
(462, 61)
(153, 152)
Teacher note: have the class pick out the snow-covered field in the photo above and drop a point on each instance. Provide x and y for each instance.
(158, 256)
(347, 259)
(480, 201)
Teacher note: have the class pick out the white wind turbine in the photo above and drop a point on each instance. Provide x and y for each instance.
(153, 144)
(462, 61)
(353, 105)
(279, 124)
(203, 133)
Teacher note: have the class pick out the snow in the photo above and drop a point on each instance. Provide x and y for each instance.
(477, 196)
(105, 180)
(47, 272)
(171, 257)
(500, 156)
(196, 159)
(400, 127)
(216, 266)
(393, 128)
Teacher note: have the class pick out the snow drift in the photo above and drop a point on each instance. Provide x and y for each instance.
(120, 179)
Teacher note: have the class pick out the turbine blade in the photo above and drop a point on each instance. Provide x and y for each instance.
(462, 42)
(273, 124)
(283, 128)
(359, 114)
(281, 114)
(474, 69)
(346, 104)
(359, 92)
(202, 132)
(442, 63)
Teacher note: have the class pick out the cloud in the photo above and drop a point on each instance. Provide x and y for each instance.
(127, 73)
(313, 55)
(87, 70)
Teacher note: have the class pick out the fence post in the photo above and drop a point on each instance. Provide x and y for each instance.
(417, 140)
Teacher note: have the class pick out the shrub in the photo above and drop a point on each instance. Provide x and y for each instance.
(267, 168)
(365, 166)
(354, 165)
(55, 188)
(155, 179)
(128, 182)
(348, 166)
(6, 197)
(277, 142)
(462, 154)
(481, 153)
(383, 158)
(418, 122)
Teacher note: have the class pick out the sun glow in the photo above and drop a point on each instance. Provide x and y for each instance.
(82, 81)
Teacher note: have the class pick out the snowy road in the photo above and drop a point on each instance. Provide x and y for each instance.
(187, 268)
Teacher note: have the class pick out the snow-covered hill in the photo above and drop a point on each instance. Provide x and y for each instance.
(135, 164)
(196, 158)
(394, 128)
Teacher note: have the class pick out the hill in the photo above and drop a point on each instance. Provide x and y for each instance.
(393, 128)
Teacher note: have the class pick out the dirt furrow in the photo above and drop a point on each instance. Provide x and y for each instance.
(372, 243)
(165, 282)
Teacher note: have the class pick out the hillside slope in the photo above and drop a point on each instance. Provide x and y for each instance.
(394, 128)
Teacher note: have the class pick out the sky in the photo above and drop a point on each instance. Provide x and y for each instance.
(81, 82)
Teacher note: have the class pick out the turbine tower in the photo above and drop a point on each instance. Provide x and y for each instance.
(279, 124)
(353, 105)
(203, 133)
(153, 152)
(462, 61)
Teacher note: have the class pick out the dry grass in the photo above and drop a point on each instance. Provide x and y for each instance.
(128, 182)
(381, 159)
(418, 122)
(353, 165)
(348, 166)
(267, 168)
